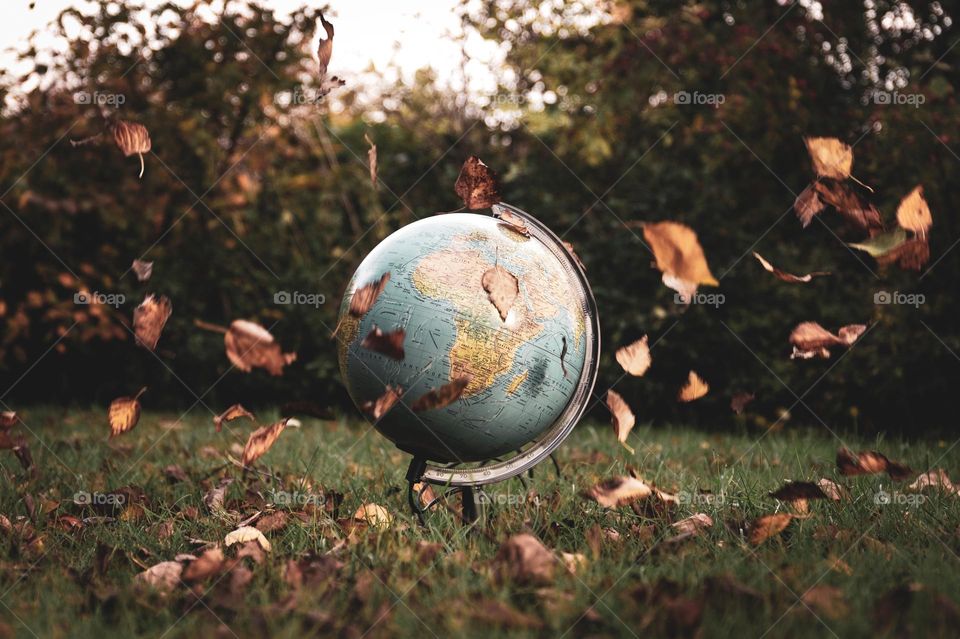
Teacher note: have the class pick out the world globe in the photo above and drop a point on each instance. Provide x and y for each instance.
(530, 374)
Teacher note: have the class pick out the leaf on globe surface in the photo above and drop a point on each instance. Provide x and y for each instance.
(524, 559)
(831, 158)
(8, 419)
(243, 534)
(763, 528)
(938, 479)
(132, 138)
(740, 400)
(911, 255)
(163, 577)
(913, 214)
(619, 491)
(809, 339)
(372, 160)
(685, 290)
(374, 514)
(850, 205)
(389, 344)
(797, 490)
(783, 275)
(622, 417)
(380, 406)
(477, 185)
(635, 358)
(694, 389)
(250, 346)
(124, 413)
(808, 204)
(870, 462)
(365, 296)
(502, 289)
(149, 319)
(142, 269)
(511, 220)
(234, 412)
(678, 252)
(443, 396)
(573, 254)
(261, 440)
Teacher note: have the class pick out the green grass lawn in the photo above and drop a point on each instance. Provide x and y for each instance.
(876, 569)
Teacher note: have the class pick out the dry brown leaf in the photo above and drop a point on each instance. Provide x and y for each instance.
(380, 406)
(477, 185)
(870, 462)
(234, 412)
(910, 255)
(261, 440)
(525, 560)
(787, 277)
(831, 158)
(827, 601)
(207, 565)
(848, 203)
(163, 577)
(765, 527)
(938, 479)
(573, 254)
(809, 339)
(622, 417)
(620, 491)
(808, 204)
(124, 413)
(832, 489)
(8, 419)
(389, 344)
(502, 289)
(243, 534)
(685, 290)
(913, 214)
(149, 319)
(374, 515)
(739, 401)
(443, 396)
(513, 221)
(694, 389)
(324, 53)
(797, 490)
(250, 346)
(372, 160)
(132, 138)
(277, 520)
(692, 525)
(142, 269)
(365, 296)
(215, 497)
(678, 253)
(635, 358)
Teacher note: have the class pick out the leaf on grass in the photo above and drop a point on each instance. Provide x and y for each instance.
(808, 204)
(261, 440)
(365, 296)
(443, 396)
(207, 565)
(163, 577)
(870, 462)
(694, 389)
(379, 407)
(622, 417)
(142, 269)
(763, 528)
(678, 252)
(512, 221)
(690, 526)
(374, 514)
(277, 520)
(809, 339)
(234, 412)
(913, 214)
(132, 139)
(787, 277)
(796, 490)
(124, 413)
(620, 491)
(827, 601)
(244, 534)
(831, 158)
(371, 160)
(389, 344)
(740, 400)
(832, 489)
(250, 346)
(149, 319)
(938, 479)
(214, 498)
(635, 358)
(502, 289)
(524, 559)
(175, 473)
(477, 185)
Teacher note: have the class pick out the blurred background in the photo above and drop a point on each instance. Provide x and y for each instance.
(598, 116)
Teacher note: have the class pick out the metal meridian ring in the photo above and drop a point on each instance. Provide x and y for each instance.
(551, 439)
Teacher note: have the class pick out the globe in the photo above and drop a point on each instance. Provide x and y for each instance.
(530, 373)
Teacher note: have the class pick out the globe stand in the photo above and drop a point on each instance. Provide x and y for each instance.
(468, 497)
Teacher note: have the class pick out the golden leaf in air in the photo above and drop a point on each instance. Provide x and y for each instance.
(635, 358)
(261, 440)
(389, 344)
(234, 412)
(685, 290)
(143, 270)
(365, 296)
(808, 204)
(870, 462)
(622, 417)
(740, 400)
(694, 389)
(324, 53)
(379, 407)
(913, 214)
(848, 203)
(809, 339)
(477, 185)
(763, 528)
(250, 346)
(443, 396)
(124, 413)
(132, 138)
(678, 252)
(374, 514)
(525, 560)
(372, 160)
(511, 220)
(783, 275)
(149, 319)
(243, 534)
(502, 289)
(831, 158)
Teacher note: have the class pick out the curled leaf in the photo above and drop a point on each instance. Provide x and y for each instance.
(809, 339)
(783, 275)
(124, 413)
(443, 396)
(373, 514)
(132, 138)
(142, 269)
(380, 406)
(622, 417)
(513, 221)
(795, 490)
(364, 297)
(164, 576)
(250, 346)
(477, 185)
(149, 319)
(244, 534)
(261, 440)
(870, 462)
(808, 204)
(234, 412)
(389, 344)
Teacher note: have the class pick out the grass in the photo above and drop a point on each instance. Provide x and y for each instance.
(891, 568)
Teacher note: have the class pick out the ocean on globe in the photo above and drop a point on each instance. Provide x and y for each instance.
(523, 370)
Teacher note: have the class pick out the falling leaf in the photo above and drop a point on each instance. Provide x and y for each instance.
(525, 560)
(622, 417)
(443, 396)
(795, 490)
(739, 401)
(373, 514)
(635, 358)
(132, 138)
(364, 297)
(149, 319)
(831, 158)
(808, 204)
(910, 255)
(848, 203)
(8, 419)
(244, 534)
(324, 53)
(372, 160)
(694, 389)
(809, 339)
(787, 277)
(573, 254)
(142, 269)
(514, 222)
(389, 344)
(250, 346)
(870, 462)
(882, 243)
(827, 601)
(124, 413)
(502, 289)
(261, 440)
(685, 290)
(768, 526)
(164, 576)
(380, 406)
(477, 185)
(678, 253)
(913, 214)
(234, 412)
